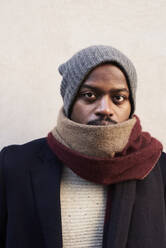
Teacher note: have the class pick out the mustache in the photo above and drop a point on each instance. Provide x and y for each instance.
(98, 121)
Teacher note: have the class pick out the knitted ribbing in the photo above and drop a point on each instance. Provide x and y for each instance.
(82, 210)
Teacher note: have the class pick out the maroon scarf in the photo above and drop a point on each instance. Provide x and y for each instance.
(136, 160)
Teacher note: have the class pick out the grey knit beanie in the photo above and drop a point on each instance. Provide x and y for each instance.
(79, 65)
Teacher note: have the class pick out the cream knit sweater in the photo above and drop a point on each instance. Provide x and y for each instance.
(83, 210)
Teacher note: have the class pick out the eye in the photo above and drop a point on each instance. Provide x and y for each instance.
(118, 99)
(90, 96)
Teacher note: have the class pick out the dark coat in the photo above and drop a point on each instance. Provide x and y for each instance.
(30, 214)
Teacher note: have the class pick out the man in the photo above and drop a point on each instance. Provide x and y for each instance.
(97, 180)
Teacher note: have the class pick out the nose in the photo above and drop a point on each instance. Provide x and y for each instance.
(105, 106)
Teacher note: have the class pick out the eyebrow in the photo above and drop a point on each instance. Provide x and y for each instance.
(98, 89)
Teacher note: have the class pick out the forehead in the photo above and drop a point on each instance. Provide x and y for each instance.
(106, 74)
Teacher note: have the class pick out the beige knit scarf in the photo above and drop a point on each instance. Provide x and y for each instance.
(96, 141)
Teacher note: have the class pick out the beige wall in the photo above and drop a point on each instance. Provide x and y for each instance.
(36, 36)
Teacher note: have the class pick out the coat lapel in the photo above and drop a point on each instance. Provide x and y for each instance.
(137, 216)
(148, 224)
(122, 201)
(46, 188)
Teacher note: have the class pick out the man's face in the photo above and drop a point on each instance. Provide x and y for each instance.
(103, 98)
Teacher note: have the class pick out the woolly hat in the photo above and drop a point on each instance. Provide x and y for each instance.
(76, 69)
